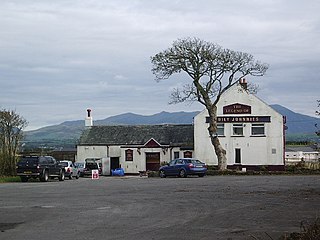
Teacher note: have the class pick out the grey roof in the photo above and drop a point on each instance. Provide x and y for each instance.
(174, 135)
(300, 148)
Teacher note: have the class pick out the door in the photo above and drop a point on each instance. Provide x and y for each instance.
(170, 170)
(153, 161)
(114, 163)
(237, 156)
(53, 166)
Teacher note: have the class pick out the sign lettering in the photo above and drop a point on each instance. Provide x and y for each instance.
(254, 119)
(237, 108)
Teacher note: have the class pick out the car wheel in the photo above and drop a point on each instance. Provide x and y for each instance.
(23, 179)
(182, 173)
(45, 176)
(162, 174)
(78, 175)
(61, 175)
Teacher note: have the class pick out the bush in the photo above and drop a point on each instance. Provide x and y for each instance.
(307, 232)
(153, 173)
(9, 179)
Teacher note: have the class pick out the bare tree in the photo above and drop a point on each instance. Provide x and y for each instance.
(11, 126)
(212, 70)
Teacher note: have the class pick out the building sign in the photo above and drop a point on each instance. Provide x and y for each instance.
(253, 119)
(237, 108)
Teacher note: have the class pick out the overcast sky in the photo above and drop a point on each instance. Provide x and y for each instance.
(58, 58)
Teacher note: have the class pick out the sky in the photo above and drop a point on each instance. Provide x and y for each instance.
(58, 58)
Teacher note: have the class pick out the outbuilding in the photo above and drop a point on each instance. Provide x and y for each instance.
(135, 148)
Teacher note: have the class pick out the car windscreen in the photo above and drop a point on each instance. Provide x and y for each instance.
(64, 164)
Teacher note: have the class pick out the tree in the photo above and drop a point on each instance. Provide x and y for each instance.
(11, 126)
(212, 70)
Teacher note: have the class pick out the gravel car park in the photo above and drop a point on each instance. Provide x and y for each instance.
(126, 208)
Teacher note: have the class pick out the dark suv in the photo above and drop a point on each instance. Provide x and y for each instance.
(42, 167)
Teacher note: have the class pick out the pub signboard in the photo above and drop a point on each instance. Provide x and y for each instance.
(237, 108)
(244, 119)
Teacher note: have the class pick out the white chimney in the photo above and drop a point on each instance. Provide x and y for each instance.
(88, 121)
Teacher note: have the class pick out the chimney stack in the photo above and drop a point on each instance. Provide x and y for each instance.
(88, 120)
(243, 83)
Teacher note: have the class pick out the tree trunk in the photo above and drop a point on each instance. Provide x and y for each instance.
(219, 150)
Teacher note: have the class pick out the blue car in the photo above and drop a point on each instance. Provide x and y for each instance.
(182, 167)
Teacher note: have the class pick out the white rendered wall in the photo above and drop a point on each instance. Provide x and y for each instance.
(255, 150)
(84, 152)
(139, 157)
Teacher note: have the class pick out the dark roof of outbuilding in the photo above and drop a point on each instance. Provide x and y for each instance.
(174, 135)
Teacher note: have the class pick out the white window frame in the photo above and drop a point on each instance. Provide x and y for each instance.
(257, 126)
(220, 129)
(237, 126)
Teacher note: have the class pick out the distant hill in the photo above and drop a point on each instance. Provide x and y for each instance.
(297, 123)
(159, 118)
(66, 134)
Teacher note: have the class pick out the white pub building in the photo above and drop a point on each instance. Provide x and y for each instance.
(251, 132)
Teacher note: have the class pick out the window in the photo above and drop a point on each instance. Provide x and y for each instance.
(172, 163)
(238, 129)
(50, 160)
(187, 154)
(43, 160)
(220, 129)
(257, 129)
(176, 155)
(129, 155)
(179, 161)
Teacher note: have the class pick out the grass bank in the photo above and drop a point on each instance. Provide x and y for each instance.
(6, 179)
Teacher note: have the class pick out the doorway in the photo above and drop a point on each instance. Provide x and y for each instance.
(152, 161)
(114, 163)
(238, 156)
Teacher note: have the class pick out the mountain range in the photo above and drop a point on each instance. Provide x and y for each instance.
(300, 127)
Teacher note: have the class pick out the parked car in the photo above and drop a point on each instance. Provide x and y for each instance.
(89, 165)
(42, 167)
(183, 167)
(70, 169)
(80, 166)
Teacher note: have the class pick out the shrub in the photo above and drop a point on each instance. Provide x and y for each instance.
(307, 232)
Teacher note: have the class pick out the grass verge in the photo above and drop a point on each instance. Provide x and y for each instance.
(6, 179)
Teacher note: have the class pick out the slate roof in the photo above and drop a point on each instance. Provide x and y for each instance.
(174, 135)
(300, 148)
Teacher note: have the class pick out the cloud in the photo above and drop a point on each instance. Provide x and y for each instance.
(59, 57)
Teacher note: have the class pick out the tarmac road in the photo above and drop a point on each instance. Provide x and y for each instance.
(213, 207)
